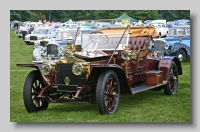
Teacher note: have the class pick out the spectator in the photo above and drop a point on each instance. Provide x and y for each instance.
(169, 25)
(31, 29)
(44, 22)
(16, 26)
(24, 31)
(139, 23)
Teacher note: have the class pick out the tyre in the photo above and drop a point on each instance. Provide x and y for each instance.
(160, 35)
(108, 92)
(167, 34)
(181, 55)
(172, 80)
(32, 87)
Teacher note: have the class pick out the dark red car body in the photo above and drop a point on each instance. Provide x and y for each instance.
(101, 75)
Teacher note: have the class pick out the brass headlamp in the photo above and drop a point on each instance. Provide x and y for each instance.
(80, 67)
(128, 54)
(47, 68)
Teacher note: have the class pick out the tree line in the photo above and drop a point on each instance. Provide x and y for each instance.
(75, 15)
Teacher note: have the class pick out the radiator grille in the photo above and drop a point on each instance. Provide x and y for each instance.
(159, 48)
(33, 37)
(52, 49)
(65, 70)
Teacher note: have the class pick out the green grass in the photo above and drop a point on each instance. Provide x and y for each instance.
(148, 106)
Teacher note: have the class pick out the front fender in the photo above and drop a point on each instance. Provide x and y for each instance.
(98, 69)
(34, 65)
(165, 63)
(179, 45)
(37, 66)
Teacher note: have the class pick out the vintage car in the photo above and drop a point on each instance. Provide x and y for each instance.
(181, 22)
(161, 29)
(44, 47)
(50, 38)
(38, 34)
(98, 68)
(176, 44)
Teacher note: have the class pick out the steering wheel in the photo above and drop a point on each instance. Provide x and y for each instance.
(101, 39)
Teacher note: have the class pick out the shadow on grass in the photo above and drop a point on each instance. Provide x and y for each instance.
(126, 100)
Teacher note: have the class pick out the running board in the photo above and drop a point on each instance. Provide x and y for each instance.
(144, 88)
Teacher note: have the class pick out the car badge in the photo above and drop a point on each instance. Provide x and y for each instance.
(67, 80)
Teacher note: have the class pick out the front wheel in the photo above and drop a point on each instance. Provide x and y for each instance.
(108, 92)
(172, 80)
(32, 87)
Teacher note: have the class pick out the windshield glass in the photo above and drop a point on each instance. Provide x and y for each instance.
(52, 35)
(181, 23)
(64, 35)
(40, 31)
(101, 41)
(71, 26)
(179, 32)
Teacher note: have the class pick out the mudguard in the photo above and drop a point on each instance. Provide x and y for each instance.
(98, 69)
(165, 63)
(34, 65)
(179, 45)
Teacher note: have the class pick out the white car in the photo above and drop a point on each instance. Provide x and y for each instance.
(51, 38)
(161, 29)
(39, 34)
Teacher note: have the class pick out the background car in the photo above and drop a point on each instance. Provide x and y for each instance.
(51, 38)
(161, 28)
(56, 45)
(39, 34)
(177, 44)
(181, 22)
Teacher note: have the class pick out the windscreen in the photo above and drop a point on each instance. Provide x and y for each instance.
(101, 41)
(179, 32)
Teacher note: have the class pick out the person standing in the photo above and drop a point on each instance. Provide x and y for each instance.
(31, 29)
(24, 31)
(139, 23)
(169, 25)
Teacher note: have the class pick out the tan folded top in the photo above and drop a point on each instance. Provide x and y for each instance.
(135, 31)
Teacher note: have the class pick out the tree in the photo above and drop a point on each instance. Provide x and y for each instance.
(75, 15)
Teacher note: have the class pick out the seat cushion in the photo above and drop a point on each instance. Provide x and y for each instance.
(137, 43)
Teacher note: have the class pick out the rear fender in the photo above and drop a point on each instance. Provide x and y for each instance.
(165, 63)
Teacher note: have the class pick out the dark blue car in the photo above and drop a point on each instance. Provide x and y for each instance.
(176, 44)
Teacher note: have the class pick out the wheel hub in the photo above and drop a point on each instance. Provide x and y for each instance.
(114, 94)
(180, 57)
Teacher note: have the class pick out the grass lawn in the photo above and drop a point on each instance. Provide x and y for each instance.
(148, 106)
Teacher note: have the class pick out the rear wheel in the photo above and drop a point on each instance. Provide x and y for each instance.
(181, 55)
(172, 80)
(108, 92)
(160, 35)
(32, 87)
